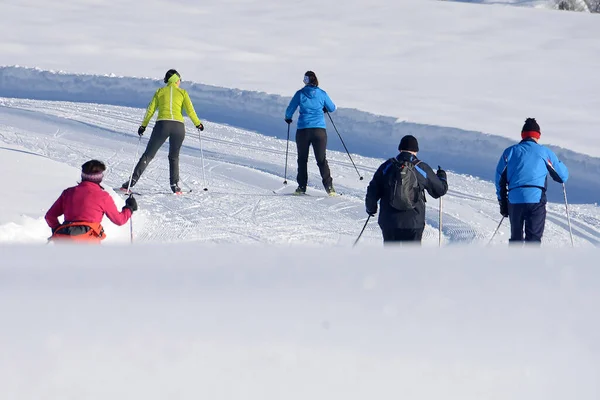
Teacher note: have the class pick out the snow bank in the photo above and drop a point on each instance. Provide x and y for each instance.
(465, 152)
(430, 62)
(191, 322)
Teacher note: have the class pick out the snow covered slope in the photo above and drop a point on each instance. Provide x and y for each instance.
(465, 152)
(242, 169)
(191, 322)
(448, 64)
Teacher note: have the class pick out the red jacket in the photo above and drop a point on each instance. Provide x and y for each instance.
(86, 202)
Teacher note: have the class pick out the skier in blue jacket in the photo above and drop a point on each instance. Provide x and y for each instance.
(521, 182)
(314, 103)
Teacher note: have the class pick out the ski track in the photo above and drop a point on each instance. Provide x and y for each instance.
(242, 170)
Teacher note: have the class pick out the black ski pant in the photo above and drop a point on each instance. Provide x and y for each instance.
(531, 216)
(318, 138)
(394, 235)
(163, 130)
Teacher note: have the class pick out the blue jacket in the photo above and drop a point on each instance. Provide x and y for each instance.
(311, 100)
(523, 170)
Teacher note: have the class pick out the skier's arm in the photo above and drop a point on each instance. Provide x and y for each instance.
(151, 109)
(558, 171)
(294, 103)
(328, 103)
(374, 191)
(501, 180)
(189, 109)
(54, 212)
(435, 186)
(116, 217)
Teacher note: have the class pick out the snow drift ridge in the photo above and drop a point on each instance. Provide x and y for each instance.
(466, 152)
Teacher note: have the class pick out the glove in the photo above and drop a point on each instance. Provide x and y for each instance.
(131, 204)
(200, 127)
(503, 208)
(141, 130)
(288, 120)
(325, 110)
(371, 213)
(441, 173)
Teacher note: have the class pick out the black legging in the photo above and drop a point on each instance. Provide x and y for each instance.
(318, 138)
(163, 130)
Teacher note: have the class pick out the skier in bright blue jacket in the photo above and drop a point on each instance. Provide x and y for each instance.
(521, 182)
(314, 103)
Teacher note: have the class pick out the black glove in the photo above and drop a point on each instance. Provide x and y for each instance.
(441, 173)
(141, 130)
(288, 120)
(131, 204)
(503, 208)
(372, 213)
(200, 127)
(325, 110)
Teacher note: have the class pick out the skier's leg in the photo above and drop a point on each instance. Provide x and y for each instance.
(176, 137)
(389, 235)
(410, 236)
(319, 142)
(302, 146)
(157, 138)
(517, 219)
(535, 221)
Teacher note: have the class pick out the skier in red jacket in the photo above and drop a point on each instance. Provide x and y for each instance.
(84, 206)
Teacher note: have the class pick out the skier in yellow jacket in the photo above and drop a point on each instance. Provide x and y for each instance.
(170, 100)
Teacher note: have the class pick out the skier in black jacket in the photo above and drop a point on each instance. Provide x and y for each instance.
(396, 225)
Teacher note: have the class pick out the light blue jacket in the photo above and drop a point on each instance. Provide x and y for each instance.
(311, 100)
(524, 168)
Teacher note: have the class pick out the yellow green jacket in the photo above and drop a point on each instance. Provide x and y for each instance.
(170, 101)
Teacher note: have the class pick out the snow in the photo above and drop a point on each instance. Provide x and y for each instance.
(464, 152)
(449, 64)
(294, 323)
(243, 291)
(242, 170)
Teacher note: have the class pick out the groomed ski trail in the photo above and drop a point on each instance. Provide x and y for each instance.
(242, 170)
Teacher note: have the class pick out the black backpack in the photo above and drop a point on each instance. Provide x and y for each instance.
(404, 185)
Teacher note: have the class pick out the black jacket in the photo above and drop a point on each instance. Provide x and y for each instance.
(389, 217)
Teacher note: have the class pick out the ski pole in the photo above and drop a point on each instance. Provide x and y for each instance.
(568, 217)
(496, 231)
(361, 232)
(137, 152)
(286, 155)
(336, 130)
(440, 228)
(202, 158)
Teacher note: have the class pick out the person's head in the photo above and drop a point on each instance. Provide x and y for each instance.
(409, 144)
(93, 171)
(531, 130)
(172, 76)
(310, 78)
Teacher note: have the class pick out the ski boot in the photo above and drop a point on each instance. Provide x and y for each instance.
(176, 189)
(300, 190)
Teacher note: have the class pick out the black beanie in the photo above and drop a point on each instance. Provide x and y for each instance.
(409, 143)
(169, 74)
(531, 125)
